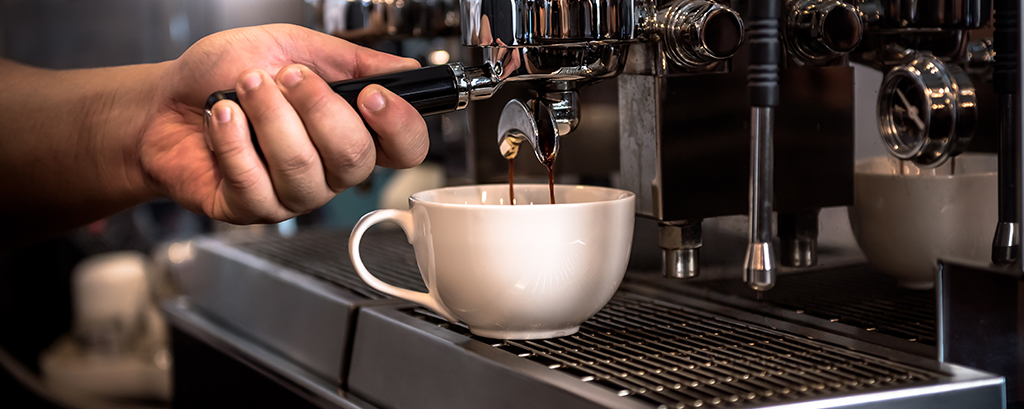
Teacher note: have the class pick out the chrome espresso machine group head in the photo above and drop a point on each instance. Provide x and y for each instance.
(555, 46)
(699, 102)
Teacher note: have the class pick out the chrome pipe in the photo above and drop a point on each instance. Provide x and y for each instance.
(760, 264)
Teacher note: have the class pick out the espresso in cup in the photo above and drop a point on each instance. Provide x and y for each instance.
(534, 270)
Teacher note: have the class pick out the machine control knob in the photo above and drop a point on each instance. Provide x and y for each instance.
(821, 30)
(699, 32)
(926, 111)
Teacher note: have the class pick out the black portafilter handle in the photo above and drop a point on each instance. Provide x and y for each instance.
(431, 90)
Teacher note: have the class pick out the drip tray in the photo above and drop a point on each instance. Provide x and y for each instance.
(857, 301)
(324, 254)
(640, 352)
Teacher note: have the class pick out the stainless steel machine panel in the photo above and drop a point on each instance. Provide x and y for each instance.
(293, 308)
(274, 289)
(704, 147)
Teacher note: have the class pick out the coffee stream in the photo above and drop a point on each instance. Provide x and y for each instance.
(511, 176)
(547, 147)
(511, 183)
(549, 162)
(551, 181)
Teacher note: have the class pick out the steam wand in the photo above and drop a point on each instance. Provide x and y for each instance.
(1006, 82)
(759, 266)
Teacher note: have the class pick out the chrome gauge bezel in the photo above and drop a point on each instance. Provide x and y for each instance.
(947, 110)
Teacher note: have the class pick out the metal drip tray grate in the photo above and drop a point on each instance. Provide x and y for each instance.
(674, 357)
(324, 254)
(857, 296)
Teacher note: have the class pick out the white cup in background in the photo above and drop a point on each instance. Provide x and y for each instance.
(905, 220)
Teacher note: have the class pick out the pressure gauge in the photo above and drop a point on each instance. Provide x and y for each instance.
(926, 111)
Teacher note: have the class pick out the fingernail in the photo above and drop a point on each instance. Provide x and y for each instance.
(291, 76)
(375, 102)
(222, 113)
(251, 80)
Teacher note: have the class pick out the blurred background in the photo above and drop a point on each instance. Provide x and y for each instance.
(51, 355)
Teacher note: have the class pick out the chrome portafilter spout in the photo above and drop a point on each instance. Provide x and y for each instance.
(540, 121)
(532, 122)
(759, 265)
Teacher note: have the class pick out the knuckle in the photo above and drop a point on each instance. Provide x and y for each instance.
(420, 147)
(246, 179)
(273, 216)
(354, 156)
(318, 103)
(298, 164)
(245, 208)
(339, 181)
(412, 146)
(229, 147)
(267, 112)
(305, 200)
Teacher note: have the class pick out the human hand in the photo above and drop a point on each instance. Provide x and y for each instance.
(314, 142)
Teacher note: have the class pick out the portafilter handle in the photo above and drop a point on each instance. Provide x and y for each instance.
(431, 90)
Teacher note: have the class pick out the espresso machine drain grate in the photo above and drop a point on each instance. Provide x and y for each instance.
(324, 254)
(673, 357)
(857, 296)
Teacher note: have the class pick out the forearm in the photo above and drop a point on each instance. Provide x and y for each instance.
(68, 145)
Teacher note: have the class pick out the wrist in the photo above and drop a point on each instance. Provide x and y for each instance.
(113, 121)
(70, 144)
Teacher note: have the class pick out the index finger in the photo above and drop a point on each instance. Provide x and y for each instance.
(372, 62)
(335, 59)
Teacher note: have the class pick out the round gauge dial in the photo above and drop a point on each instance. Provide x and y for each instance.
(926, 111)
(906, 111)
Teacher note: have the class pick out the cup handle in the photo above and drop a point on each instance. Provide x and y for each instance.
(404, 219)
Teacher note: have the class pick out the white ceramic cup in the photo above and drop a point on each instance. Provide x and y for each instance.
(533, 270)
(906, 220)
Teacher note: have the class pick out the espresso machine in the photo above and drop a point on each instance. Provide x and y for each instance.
(736, 131)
